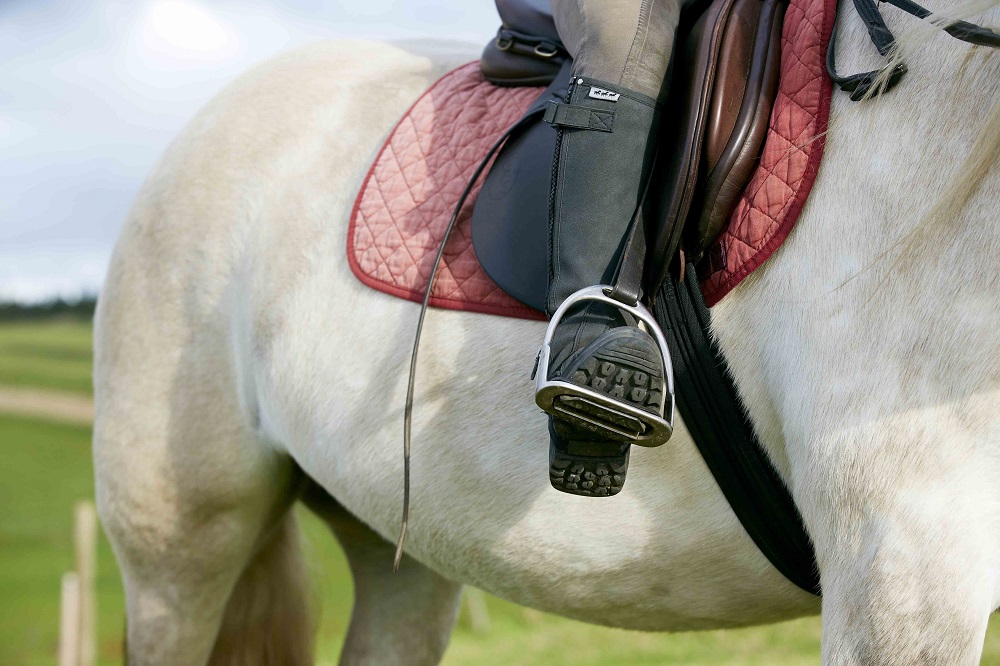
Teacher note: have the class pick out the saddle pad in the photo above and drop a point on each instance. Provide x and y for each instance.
(409, 194)
(411, 189)
(777, 191)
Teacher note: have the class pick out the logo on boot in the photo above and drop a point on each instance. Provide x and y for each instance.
(601, 93)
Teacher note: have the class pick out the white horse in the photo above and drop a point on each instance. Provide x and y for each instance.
(241, 367)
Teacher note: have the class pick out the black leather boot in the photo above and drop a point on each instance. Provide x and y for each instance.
(604, 153)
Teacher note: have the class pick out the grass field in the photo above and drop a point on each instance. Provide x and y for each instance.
(45, 467)
(52, 355)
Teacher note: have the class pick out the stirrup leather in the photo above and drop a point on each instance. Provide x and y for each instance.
(617, 420)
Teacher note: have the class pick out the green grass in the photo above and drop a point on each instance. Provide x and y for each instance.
(47, 355)
(45, 468)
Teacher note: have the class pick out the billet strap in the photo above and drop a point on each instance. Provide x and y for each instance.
(860, 84)
(710, 406)
(627, 285)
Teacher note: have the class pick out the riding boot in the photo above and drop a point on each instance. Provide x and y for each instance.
(604, 154)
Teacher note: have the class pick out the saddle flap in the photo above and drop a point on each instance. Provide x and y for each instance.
(738, 120)
(725, 79)
(510, 222)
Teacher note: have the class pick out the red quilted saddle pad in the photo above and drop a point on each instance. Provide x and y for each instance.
(408, 196)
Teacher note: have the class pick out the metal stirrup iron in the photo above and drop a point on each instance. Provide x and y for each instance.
(592, 410)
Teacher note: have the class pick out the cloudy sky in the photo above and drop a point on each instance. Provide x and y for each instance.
(92, 91)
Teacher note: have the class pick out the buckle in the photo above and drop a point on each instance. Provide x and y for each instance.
(595, 411)
(546, 50)
(505, 39)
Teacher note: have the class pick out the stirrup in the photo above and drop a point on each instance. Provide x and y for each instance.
(617, 420)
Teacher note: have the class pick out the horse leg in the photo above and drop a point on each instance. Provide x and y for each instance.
(909, 575)
(398, 618)
(207, 546)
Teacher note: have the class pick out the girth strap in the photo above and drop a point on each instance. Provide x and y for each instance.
(713, 414)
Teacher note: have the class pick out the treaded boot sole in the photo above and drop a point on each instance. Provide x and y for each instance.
(623, 373)
(583, 460)
(586, 475)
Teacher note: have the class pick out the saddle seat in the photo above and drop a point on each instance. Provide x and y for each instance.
(527, 50)
(529, 17)
(725, 71)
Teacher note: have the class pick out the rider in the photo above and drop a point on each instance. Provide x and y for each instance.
(621, 53)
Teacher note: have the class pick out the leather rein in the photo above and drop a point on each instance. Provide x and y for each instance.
(860, 85)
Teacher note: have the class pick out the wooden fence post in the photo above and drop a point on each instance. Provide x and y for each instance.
(85, 542)
(69, 620)
(479, 614)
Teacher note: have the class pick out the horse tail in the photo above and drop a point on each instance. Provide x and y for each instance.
(269, 619)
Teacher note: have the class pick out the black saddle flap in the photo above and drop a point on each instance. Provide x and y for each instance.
(510, 223)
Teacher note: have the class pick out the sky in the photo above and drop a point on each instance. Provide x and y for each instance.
(91, 93)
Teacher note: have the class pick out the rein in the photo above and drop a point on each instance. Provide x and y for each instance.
(860, 84)
(411, 384)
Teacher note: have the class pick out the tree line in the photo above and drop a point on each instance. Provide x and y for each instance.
(57, 308)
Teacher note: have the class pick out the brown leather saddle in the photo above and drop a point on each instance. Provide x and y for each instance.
(725, 73)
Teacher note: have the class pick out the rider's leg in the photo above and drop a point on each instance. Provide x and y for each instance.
(621, 51)
(621, 42)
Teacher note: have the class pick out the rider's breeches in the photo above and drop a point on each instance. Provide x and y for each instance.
(622, 42)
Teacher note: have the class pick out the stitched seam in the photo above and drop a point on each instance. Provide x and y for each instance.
(641, 28)
(601, 120)
(564, 148)
(585, 39)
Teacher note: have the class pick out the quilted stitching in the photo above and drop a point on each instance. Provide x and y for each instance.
(408, 196)
(602, 120)
(411, 190)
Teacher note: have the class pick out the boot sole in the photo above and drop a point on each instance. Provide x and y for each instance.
(585, 475)
(623, 371)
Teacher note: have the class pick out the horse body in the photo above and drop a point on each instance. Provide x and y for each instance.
(240, 365)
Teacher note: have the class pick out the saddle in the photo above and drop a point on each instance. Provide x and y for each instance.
(725, 80)
(527, 50)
